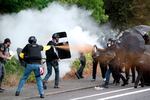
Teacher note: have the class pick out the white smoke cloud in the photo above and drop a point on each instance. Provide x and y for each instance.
(80, 27)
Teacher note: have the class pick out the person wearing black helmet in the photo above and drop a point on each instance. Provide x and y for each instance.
(147, 39)
(31, 53)
(4, 55)
(52, 58)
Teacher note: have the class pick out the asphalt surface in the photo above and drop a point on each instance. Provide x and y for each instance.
(82, 89)
(30, 90)
(112, 93)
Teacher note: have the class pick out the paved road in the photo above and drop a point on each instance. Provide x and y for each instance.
(79, 90)
(113, 93)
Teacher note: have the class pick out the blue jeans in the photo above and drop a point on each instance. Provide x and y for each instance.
(2, 73)
(107, 75)
(27, 72)
(55, 65)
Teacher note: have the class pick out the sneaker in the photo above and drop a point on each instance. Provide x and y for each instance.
(98, 88)
(41, 95)
(17, 93)
(104, 79)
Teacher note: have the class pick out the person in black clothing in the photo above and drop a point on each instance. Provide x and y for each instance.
(127, 73)
(4, 55)
(147, 39)
(95, 63)
(103, 66)
(31, 53)
(52, 61)
(139, 77)
(82, 59)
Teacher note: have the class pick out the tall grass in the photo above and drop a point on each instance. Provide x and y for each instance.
(13, 73)
(75, 66)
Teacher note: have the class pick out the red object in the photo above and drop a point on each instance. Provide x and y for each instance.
(41, 70)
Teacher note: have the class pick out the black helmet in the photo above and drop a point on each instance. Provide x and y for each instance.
(32, 40)
(110, 39)
(54, 36)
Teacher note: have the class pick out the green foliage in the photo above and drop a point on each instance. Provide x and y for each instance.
(96, 6)
(13, 67)
(140, 10)
(76, 62)
(149, 33)
(8, 6)
(127, 13)
(31, 78)
(119, 11)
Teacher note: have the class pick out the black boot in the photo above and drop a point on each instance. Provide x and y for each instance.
(105, 85)
(17, 93)
(78, 76)
(135, 85)
(41, 95)
(142, 84)
(124, 82)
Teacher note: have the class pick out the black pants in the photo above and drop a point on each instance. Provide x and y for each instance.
(103, 67)
(80, 70)
(116, 72)
(117, 76)
(140, 76)
(95, 63)
(127, 72)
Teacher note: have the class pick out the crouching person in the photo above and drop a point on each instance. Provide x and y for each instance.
(32, 56)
